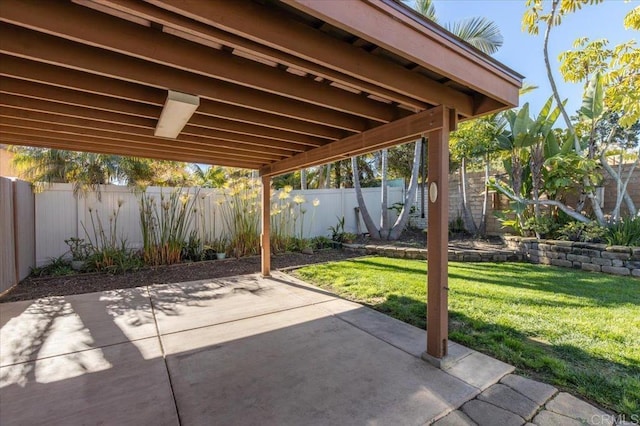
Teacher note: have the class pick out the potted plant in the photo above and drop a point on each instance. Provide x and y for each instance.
(220, 246)
(79, 252)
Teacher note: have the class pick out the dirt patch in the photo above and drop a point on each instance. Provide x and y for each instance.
(417, 238)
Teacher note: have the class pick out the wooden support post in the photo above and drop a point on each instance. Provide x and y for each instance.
(438, 240)
(266, 226)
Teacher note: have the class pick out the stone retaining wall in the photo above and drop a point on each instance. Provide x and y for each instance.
(470, 255)
(616, 260)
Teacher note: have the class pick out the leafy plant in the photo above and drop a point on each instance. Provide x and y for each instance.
(320, 242)
(165, 227)
(625, 232)
(337, 231)
(58, 266)
(456, 226)
(590, 232)
(78, 248)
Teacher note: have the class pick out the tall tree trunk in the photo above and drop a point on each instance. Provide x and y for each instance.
(324, 176)
(467, 216)
(482, 230)
(384, 212)
(403, 218)
(366, 217)
(303, 179)
(589, 193)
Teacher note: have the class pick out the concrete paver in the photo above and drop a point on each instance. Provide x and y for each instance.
(548, 418)
(504, 397)
(484, 413)
(572, 407)
(455, 418)
(480, 370)
(535, 391)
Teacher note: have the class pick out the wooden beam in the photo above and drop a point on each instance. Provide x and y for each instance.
(145, 126)
(266, 26)
(266, 226)
(290, 140)
(79, 144)
(437, 242)
(52, 121)
(118, 35)
(206, 33)
(90, 83)
(40, 47)
(387, 135)
(63, 132)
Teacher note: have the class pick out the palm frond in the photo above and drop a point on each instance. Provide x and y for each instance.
(426, 8)
(481, 33)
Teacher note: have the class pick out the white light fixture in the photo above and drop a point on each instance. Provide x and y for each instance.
(177, 111)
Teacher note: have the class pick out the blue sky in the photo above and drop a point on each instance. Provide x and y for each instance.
(523, 52)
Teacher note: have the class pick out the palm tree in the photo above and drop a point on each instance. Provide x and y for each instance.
(481, 33)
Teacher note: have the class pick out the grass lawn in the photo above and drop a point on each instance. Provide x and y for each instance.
(579, 331)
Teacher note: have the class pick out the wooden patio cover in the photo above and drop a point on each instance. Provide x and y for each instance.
(283, 84)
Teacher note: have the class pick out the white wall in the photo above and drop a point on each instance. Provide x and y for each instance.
(60, 214)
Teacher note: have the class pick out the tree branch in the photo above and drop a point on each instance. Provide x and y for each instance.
(568, 210)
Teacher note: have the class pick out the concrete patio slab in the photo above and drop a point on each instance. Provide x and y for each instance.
(115, 385)
(185, 306)
(63, 325)
(311, 369)
(240, 350)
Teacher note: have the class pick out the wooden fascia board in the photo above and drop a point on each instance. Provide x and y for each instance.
(86, 104)
(104, 31)
(209, 33)
(384, 136)
(91, 83)
(79, 144)
(379, 23)
(262, 25)
(40, 47)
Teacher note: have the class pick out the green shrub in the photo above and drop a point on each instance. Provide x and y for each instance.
(546, 226)
(625, 232)
(57, 266)
(590, 232)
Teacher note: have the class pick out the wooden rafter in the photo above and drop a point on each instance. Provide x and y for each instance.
(113, 34)
(297, 39)
(122, 90)
(30, 44)
(86, 104)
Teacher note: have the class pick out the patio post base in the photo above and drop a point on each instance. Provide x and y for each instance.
(443, 363)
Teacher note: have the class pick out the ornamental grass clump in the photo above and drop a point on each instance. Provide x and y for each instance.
(166, 226)
(106, 251)
(241, 216)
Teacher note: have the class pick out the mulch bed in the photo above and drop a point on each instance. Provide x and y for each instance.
(35, 288)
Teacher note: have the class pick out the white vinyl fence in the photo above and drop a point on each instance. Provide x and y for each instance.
(59, 214)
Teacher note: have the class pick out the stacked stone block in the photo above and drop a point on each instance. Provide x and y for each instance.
(616, 260)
